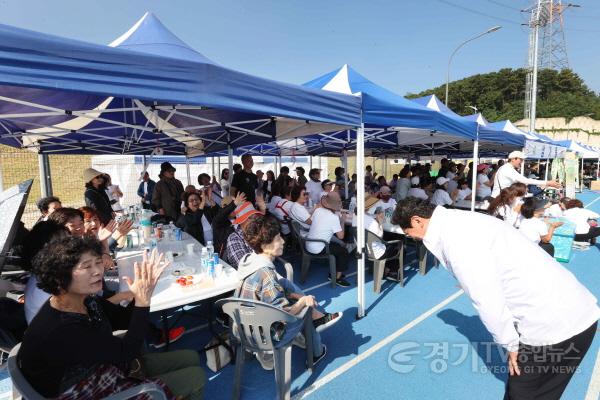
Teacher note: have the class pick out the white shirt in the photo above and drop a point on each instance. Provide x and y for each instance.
(324, 225)
(580, 216)
(533, 228)
(402, 189)
(391, 203)
(452, 184)
(299, 213)
(483, 190)
(510, 280)
(507, 175)
(224, 187)
(508, 213)
(441, 198)
(112, 192)
(314, 191)
(281, 212)
(554, 211)
(418, 193)
(463, 193)
(273, 203)
(145, 190)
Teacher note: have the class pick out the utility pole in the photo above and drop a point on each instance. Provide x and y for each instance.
(547, 47)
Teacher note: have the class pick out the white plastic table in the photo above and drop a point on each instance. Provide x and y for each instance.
(466, 205)
(168, 293)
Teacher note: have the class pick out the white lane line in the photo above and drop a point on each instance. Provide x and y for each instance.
(598, 198)
(378, 346)
(593, 392)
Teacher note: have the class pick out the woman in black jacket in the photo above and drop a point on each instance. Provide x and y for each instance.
(69, 348)
(95, 195)
(197, 204)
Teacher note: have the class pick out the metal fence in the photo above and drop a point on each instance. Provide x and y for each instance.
(66, 172)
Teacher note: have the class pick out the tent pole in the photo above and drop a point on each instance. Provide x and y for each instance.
(310, 163)
(474, 175)
(212, 165)
(345, 166)
(597, 170)
(547, 165)
(45, 178)
(1, 176)
(219, 168)
(230, 162)
(360, 217)
(187, 170)
(275, 170)
(581, 180)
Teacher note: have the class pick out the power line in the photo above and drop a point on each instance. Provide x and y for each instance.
(470, 10)
(503, 5)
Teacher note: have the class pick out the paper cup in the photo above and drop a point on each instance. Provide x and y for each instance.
(190, 248)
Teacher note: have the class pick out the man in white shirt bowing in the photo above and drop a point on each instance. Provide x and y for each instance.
(533, 306)
(509, 174)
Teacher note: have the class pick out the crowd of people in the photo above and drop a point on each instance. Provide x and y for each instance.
(70, 303)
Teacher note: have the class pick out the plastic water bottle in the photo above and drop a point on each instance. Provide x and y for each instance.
(352, 205)
(171, 231)
(204, 260)
(210, 248)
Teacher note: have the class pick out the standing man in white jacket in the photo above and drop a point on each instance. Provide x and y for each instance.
(533, 306)
(509, 174)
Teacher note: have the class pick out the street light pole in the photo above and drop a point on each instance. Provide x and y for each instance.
(492, 29)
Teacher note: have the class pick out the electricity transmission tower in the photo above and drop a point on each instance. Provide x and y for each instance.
(547, 47)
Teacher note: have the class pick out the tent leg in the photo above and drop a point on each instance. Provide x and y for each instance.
(345, 166)
(310, 163)
(187, 170)
(547, 168)
(474, 179)
(360, 218)
(230, 163)
(212, 166)
(1, 176)
(581, 180)
(597, 169)
(45, 177)
(219, 168)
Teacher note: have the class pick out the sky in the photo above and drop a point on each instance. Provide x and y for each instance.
(403, 45)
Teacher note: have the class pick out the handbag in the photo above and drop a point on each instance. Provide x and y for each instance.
(217, 355)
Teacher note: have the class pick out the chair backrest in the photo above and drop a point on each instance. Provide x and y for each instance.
(296, 229)
(370, 238)
(253, 321)
(18, 379)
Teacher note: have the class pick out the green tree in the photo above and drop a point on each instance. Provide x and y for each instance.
(500, 95)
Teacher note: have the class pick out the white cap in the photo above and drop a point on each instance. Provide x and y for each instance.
(441, 181)
(516, 154)
(414, 180)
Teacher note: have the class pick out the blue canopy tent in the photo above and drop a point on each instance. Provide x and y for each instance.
(64, 96)
(490, 139)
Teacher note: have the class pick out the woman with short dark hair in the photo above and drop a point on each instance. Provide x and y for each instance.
(69, 350)
(70, 218)
(197, 205)
(47, 205)
(260, 281)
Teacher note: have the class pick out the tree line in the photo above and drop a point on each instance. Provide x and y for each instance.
(501, 95)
